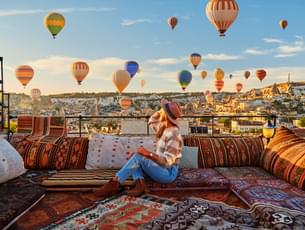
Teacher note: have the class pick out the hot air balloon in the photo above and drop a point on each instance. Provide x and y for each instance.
(261, 74)
(283, 24)
(219, 85)
(142, 83)
(204, 74)
(132, 67)
(239, 87)
(54, 22)
(195, 59)
(125, 102)
(219, 74)
(247, 74)
(172, 22)
(184, 78)
(121, 79)
(24, 74)
(222, 13)
(80, 70)
(231, 76)
(35, 94)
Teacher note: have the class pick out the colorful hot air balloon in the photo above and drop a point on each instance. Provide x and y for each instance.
(54, 22)
(219, 74)
(142, 83)
(121, 79)
(35, 94)
(222, 13)
(80, 70)
(184, 78)
(24, 74)
(261, 74)
(247, 74)
(283, 24)
(172, 22)
(239, 87)
(125, 102)
(204, 74)
(219, 84)
(132, 67)
(195, 59)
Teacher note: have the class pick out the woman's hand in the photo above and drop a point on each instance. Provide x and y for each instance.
(143, 152)
(130, 155)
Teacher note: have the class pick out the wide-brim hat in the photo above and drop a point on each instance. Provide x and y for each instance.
(172, 110)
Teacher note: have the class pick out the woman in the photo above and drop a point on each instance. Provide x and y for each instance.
(161, 166)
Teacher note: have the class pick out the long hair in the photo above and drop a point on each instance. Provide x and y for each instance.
(163, 125)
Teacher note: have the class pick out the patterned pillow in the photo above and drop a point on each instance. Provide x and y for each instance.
(285, 157)
(110, 152)
(11, 164)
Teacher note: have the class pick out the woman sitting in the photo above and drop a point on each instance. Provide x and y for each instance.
(161, 166)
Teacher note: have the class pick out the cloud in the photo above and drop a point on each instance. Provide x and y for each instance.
(221, 57)
(130, 22)
(255, 51)
(17, 12)
(166, 61)
(292, 49)
(273, 40)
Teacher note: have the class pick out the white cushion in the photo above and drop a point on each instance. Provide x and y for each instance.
(11, 163)
(110, 152)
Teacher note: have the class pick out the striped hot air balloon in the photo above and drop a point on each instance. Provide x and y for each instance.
(239, 87)
(195, 59)
(172, 22)
(219, 84)
(261, 74)
(24, 74)
(54, 22)
(80, 70)
(125, 102)
(222, 13)
(184, 78)
(35, 94)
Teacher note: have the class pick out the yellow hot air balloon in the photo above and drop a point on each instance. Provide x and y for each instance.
(204, 74)
(222, 13)
(283, 24)
(80, 70)
(121, 79)
(54, 22)
(219, 74)
(125, 102)
(24, 74)
(35, 94)
(142, 83)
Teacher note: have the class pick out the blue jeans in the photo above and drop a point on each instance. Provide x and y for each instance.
(137, 165)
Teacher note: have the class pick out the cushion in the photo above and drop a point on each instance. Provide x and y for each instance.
(284, 157)
(226, 152)
(24, 124)
(110, 152)
(272, 191)
(68, 153)
(235, 173)
(11, 163)
(189, 157)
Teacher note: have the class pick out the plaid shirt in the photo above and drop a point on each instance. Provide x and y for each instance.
(170, 144)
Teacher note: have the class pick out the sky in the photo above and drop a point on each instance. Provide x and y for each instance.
(107, 33)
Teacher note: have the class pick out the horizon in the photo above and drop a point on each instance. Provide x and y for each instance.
(108, 33)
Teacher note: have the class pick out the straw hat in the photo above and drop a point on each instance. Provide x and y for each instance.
(172, 110)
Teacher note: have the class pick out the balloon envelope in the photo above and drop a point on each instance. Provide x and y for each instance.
(204, 74)
(222, 13)
(261, 74)
(219, 85)
(172, 22)
(142, 83)
(195, 59)
(125, 102)
(121, 79)
(184, 78)
(80, 70)
(239, 87)
(24, 74)
(132, 67)
(219, 74)
(283, 24)
(35, 94)
(54, 22)
(247, 74)
(231, 76)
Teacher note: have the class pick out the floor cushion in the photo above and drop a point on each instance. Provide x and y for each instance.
(226, 152)
(272, 191)
(234, 173)
(19, 195)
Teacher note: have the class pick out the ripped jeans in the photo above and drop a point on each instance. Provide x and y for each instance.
(138, 165)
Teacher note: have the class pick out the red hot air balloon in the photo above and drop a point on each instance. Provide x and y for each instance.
(80, 70)
(219, 85)
(239, 87)
(172, 22)
(125, 102)
(24, 74)
(261, 74)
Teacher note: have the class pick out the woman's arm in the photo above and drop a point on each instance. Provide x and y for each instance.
(152, 156)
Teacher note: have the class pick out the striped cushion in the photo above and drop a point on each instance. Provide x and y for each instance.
(24, 124)
(68, 153)
(226, 152)
(285, 157)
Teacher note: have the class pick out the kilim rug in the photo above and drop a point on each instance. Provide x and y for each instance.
(57, 130)
(40, 128)
(119, 212)
(195, 213)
